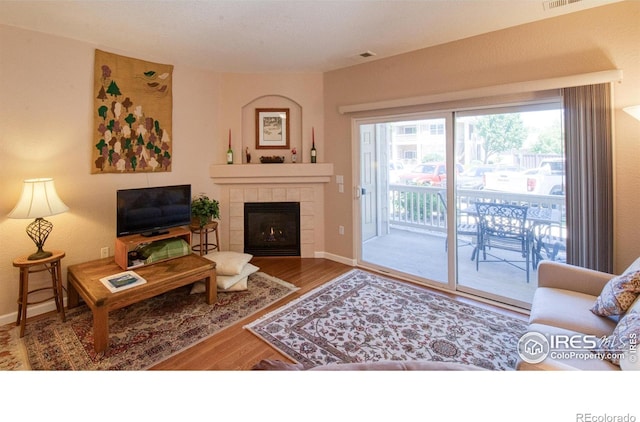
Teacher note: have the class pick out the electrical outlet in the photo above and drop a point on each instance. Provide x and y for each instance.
(104, 252)
(340, 229)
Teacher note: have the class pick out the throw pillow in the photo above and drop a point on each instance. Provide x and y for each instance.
(229, 283)
(618, 295)
(226, 281)
(229, 262)
(237, 287)
(164, 249)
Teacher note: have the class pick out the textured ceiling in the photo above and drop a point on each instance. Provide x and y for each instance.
(271, 35)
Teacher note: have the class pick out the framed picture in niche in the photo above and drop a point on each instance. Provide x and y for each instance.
(272, 128)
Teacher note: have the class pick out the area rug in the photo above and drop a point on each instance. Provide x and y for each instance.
(13, 356)
(363, 317)
(143, 334)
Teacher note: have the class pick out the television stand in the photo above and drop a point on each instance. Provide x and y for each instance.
(154, 233)
(126, 244)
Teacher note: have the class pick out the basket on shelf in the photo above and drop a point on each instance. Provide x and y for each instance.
(272, 159)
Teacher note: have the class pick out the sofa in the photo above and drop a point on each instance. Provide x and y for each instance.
(564, 310)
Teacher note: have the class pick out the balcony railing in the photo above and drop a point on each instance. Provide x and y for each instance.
(419, 206)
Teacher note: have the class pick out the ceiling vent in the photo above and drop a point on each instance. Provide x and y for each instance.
(552, 4)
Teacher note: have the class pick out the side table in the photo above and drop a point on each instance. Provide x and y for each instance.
(204, 246)
(51, 264)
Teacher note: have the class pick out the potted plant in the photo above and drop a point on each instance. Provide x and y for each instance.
(204, 209)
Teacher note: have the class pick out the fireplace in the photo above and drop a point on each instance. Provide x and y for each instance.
(272, 228)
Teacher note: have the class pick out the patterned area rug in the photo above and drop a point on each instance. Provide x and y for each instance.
(13, 357)
(363, 317)
(146, 333)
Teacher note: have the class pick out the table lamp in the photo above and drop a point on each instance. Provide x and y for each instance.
(633, 111)
(39, 199)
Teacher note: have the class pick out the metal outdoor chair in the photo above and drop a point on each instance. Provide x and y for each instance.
(550, 244)
(503, 227)
(467, 226)
(548, 236)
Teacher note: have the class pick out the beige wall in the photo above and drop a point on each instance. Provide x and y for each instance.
(242, 93)
(46, 131)
(597, 39)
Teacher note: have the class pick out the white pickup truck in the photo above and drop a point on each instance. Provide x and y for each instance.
(546, 179)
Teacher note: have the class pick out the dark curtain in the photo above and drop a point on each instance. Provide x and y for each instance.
(589, 190)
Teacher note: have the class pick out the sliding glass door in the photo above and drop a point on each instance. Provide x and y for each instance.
(517, 169)
(422, 177)
(403, 186)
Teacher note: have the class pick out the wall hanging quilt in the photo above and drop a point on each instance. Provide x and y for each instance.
(132, 113)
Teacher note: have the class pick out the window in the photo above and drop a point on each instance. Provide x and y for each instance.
(410, 155)
(436, 129)
(407, 130)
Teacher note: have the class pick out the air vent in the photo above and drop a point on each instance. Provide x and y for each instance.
(552, 4)
(367, 54)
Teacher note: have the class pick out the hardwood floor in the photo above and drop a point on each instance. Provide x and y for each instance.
(235, 348)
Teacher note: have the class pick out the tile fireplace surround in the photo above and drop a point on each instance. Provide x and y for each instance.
(304, 183)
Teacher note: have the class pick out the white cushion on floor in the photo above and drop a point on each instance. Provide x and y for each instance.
(229, 262)
(227, 283)
(237, 287)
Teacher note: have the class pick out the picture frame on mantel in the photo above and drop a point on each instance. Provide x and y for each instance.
(272, 128)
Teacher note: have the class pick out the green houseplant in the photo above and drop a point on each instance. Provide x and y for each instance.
(204, 209)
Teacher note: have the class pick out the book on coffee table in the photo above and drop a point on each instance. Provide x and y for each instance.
(122, 281)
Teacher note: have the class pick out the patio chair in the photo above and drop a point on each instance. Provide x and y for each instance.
(504, 227)
(467, 226)
(550, 244)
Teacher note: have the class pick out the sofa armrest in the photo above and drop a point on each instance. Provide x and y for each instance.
(570, 277)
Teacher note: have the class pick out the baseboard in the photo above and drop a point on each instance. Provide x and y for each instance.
(337, 258)
(33, 310)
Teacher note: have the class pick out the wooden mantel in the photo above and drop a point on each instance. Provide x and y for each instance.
(298, 173)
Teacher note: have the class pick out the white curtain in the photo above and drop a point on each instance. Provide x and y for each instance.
(589, 190)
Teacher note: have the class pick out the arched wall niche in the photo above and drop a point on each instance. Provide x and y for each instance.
(249, 127)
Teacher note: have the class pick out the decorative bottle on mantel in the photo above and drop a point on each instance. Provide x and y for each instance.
(314, 153)
(229, 151)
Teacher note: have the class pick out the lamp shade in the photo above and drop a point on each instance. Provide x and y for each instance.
(633, 110)
(39, 199)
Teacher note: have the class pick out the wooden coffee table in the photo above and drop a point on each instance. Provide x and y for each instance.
(83, 280)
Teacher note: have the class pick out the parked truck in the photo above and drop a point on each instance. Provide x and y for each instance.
(546, 179)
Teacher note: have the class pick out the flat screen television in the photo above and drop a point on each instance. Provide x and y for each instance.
(152, 211)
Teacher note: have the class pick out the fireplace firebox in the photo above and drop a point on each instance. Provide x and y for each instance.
(272, 228)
